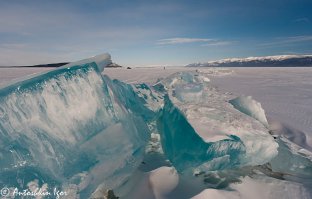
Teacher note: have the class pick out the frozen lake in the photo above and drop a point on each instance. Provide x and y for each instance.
(8, 74)
(285, 93)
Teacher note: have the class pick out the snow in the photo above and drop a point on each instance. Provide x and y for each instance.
(266, 187)
(258, 188)
(284, 93)
(273, 58)
(7, 75)
(162, 187)
(304, 60)
(143, 75)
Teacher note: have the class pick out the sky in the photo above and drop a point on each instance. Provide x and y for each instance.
(150, 32)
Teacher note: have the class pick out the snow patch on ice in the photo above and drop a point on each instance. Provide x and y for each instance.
(160, 186)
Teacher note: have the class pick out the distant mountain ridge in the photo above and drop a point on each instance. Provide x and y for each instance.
(55, 65)
(268, 61)
(113, 65)
(39, 65)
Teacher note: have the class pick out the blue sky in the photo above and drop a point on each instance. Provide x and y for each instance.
(138, 33)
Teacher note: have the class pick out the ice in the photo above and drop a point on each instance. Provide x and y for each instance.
(137, 98)
(180, 137)
(101, 61)
(285, 175)
(67, 129)
(292, 160)
(250, 107)
(201, 129)
(258, 187)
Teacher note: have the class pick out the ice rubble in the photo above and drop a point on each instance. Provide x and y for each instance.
(224, 141)
(77, 130)
(201, 129)
(258, 187)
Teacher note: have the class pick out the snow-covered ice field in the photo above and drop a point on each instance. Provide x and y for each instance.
(285, 93)
(139, 75)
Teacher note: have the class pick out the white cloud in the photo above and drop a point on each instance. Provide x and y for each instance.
(288, 40)
(181, 40)
(218, 43)
(302, 20)
(203, 41)
(298, 39)
(9, 57)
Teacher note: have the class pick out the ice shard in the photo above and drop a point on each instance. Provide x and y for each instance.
(292, 161)
(65, 128)
(200, 129)
(250, 107)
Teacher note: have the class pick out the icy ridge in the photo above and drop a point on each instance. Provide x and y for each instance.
(211, 122)
(62, 128)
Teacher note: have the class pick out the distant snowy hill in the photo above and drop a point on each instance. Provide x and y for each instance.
(113, 65)
(269, 61)
(37, 66)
